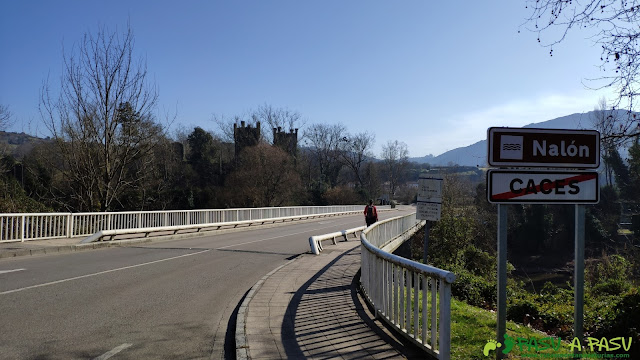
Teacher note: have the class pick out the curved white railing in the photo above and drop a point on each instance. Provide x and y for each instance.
(37, 226)
(412, 297)
(315, 242)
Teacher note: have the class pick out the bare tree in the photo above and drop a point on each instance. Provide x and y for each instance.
(613, 25)
(325, 142)
(355, 151)
(103, 120)
(269, 116)
(225, 125)
(273, 118)
(605, 120)
(396, 159)
(265, 177)
(5, 116)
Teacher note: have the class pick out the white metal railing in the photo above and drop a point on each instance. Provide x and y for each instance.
(172, 230)
(315, 242)
(37, 226)
(412, 297)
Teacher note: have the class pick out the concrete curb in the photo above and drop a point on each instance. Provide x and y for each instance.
(68, 248)
(242, 347)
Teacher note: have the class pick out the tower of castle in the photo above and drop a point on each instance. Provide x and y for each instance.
(245, 136)
(287, 141)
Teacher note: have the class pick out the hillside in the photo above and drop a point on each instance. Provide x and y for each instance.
(18, 144)
(476, 154)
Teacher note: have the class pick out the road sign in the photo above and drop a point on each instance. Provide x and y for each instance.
(543, 187)
(550, 148)
(428, 211)
(430, 189)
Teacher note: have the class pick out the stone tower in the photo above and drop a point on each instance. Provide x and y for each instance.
(245, 136)
(287, 141)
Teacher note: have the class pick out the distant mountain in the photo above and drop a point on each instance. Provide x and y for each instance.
(476, 154)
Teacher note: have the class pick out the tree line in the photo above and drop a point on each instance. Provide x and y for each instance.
(109, 151)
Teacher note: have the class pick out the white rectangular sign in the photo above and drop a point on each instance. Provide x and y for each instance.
(430, 189)
(543, 187)
(548, 148)
(428, 211)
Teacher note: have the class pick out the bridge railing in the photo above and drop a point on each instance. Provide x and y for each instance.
(412, 297)
(315, 242)
(36, 226)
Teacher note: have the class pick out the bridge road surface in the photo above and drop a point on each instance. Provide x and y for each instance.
(160, 300)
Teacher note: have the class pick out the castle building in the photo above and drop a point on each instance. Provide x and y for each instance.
(287, 141)
(245, 136)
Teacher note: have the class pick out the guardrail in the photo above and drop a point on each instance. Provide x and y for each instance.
(412, 297)
(315, 242)
(100, 235)
(36, 226)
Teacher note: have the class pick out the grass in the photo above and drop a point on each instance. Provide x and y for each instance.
(472, 327)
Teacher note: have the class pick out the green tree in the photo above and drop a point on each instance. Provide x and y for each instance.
(621, 171)
(634, 170)
(202, 156)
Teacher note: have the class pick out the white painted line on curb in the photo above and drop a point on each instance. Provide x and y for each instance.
(113, 351)
(99, 273)
(10, 271)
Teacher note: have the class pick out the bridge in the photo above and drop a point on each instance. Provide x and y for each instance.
(186, 293)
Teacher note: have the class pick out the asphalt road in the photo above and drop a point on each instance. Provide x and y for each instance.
(161, 300)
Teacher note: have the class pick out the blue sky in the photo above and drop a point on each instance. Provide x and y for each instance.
(434, 75)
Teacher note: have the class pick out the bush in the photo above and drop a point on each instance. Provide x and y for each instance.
(479, 262)
(611, 287)
(473, 289)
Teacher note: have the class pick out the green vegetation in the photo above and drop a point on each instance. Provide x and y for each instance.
(541, 248)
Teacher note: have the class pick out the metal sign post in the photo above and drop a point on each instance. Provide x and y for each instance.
(502, 276)
(429, 205)
(425, 251)
(523, 148)
(578, 276)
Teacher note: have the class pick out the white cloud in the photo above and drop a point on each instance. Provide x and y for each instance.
(467, 128)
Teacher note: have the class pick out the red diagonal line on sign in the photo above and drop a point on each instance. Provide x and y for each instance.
(548, 186)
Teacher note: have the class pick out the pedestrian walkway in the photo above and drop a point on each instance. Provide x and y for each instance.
(310, 308)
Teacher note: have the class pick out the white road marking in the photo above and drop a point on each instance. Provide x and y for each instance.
(113, 351)
(99, 273)
(271, 238)
(10, 271)
(275, 237)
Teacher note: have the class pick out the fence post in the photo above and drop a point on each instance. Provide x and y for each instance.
(444, 343)
(22, 228)
(69, 223)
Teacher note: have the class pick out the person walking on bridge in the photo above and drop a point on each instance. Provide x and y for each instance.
(370, 213)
